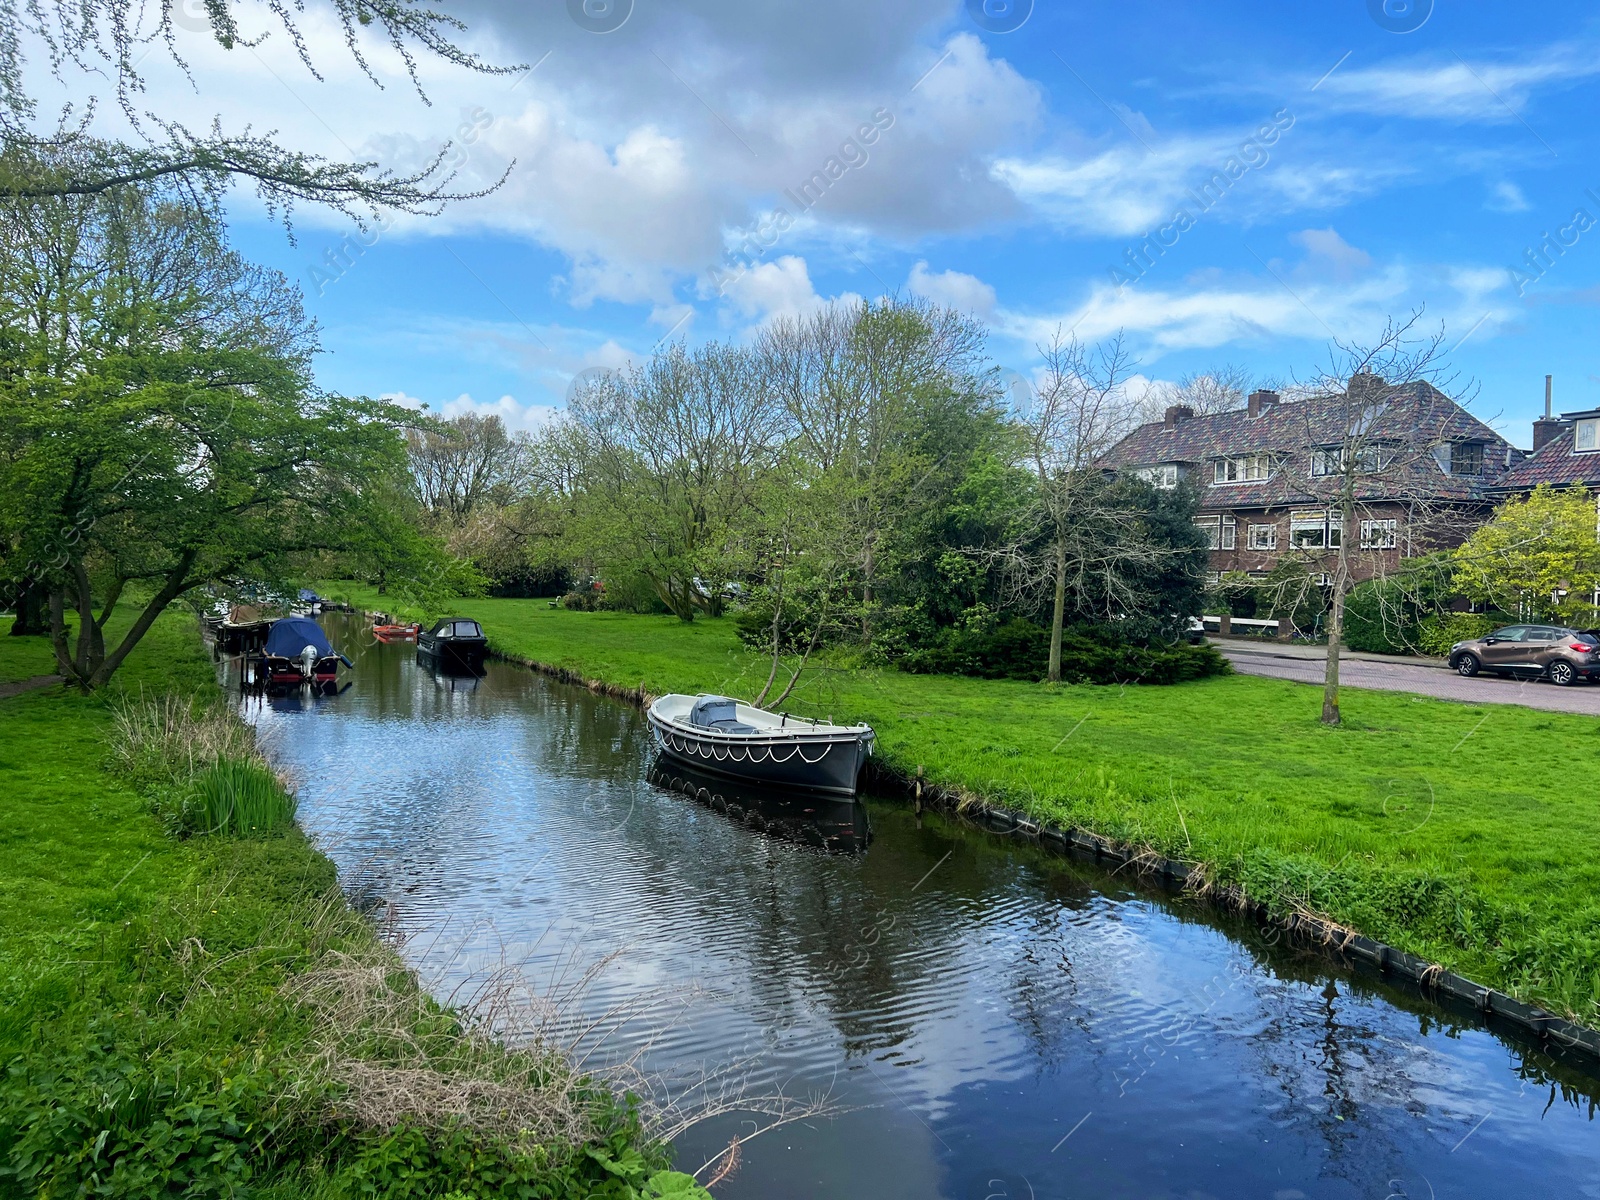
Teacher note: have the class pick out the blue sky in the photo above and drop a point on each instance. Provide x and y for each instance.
(1010, 172)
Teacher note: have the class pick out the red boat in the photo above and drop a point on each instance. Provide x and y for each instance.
(395, 633)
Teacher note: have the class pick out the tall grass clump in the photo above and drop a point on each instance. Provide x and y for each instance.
(200, 766)
(240, 796)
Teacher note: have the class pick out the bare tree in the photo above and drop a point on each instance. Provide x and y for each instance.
(1080, 409)
(1373, 451)
(109, 39)
(459, 464)
(1221, 389)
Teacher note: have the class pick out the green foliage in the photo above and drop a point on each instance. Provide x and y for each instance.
(1020, 649)
(1539, 556)
(630, 591)
(240, 797)
(1386, 615)
(128, 362)
(584, 601)
(1436, 634)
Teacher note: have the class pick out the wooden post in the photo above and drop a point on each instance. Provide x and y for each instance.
(1225, 625)
(1285, 629)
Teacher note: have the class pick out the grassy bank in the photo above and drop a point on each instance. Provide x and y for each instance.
(204, 1015)
(1463, 833)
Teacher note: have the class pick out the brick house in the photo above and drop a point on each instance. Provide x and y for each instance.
(1254, 467)
(1566, 451)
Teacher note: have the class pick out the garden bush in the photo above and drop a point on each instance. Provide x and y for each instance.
(1436, 634)
(1020, 649)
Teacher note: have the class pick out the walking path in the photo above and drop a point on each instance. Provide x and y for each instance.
(1392, 673)
(7, 690)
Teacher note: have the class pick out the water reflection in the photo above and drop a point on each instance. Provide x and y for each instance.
(1001, 1021)
(806, 818)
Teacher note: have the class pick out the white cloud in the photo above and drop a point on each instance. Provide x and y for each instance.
(1507, 197)
(1306, 301)
(1453, 89)
(966, 293)
(1329, 253)
(517, 416)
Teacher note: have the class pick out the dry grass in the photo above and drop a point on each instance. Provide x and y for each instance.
(178, 738)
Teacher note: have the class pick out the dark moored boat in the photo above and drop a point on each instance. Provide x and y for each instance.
(718, 734)
(455, 641)
(297, 651)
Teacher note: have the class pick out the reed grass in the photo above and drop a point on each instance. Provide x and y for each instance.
(239, 796)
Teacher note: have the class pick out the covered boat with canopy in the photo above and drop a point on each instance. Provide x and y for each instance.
(298, 651)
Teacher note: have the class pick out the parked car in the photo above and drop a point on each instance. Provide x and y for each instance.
(1552, 652)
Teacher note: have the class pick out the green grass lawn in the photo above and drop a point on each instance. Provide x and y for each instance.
(1464, 833)
(148, 1043)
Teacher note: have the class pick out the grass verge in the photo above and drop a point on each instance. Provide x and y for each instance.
(205, 1015)
(1466, 834)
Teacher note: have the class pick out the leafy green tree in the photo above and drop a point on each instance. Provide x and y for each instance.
(161, 426)
(1539, 556)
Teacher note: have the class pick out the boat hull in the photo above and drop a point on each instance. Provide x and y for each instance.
(830, 766)
(466, 653)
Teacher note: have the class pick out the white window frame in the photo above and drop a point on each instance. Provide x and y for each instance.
(1222, 532)
(1380, 534)
(1586, 430)
(1370, 459)
(1164, 476)
(1306, 520)
(1242, 468)
(1261, 537)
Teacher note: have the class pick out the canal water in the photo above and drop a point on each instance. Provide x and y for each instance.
(983, 1019)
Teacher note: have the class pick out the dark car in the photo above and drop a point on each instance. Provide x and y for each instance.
(1551, 652)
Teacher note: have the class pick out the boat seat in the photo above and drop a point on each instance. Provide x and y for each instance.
(719, 713)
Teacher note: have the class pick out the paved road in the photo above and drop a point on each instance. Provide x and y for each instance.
(1294, 662)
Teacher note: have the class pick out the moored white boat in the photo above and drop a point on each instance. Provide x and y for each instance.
(716, 733)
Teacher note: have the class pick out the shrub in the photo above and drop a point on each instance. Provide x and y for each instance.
(1020, 649)
(629, 591)
(1435, 635)
(580, 601)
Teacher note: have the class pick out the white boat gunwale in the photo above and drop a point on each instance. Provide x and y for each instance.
(759, 718)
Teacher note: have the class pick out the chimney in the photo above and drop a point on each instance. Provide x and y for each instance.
(1260, 400)
(1177, 414)
(1547, 427)
(1365, 384)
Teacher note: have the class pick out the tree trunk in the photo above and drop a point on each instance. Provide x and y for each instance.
(1330, 678)
(1058, 612)
(31, 620)
(1341, 578)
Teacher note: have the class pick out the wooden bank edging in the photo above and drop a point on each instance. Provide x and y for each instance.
(1432, 979)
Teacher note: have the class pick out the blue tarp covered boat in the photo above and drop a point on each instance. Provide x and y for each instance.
(298, 651)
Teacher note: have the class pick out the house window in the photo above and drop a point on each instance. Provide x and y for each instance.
(1262, 537)
(1222, 533)
(1369, 460)
(1316, 530)
(1466, 458)
(1380, 535)
(1164, 476)
(1586, 434)
(1244, 468)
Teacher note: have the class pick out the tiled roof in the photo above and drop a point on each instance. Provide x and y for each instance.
(1418, 415)
(1556, 463)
